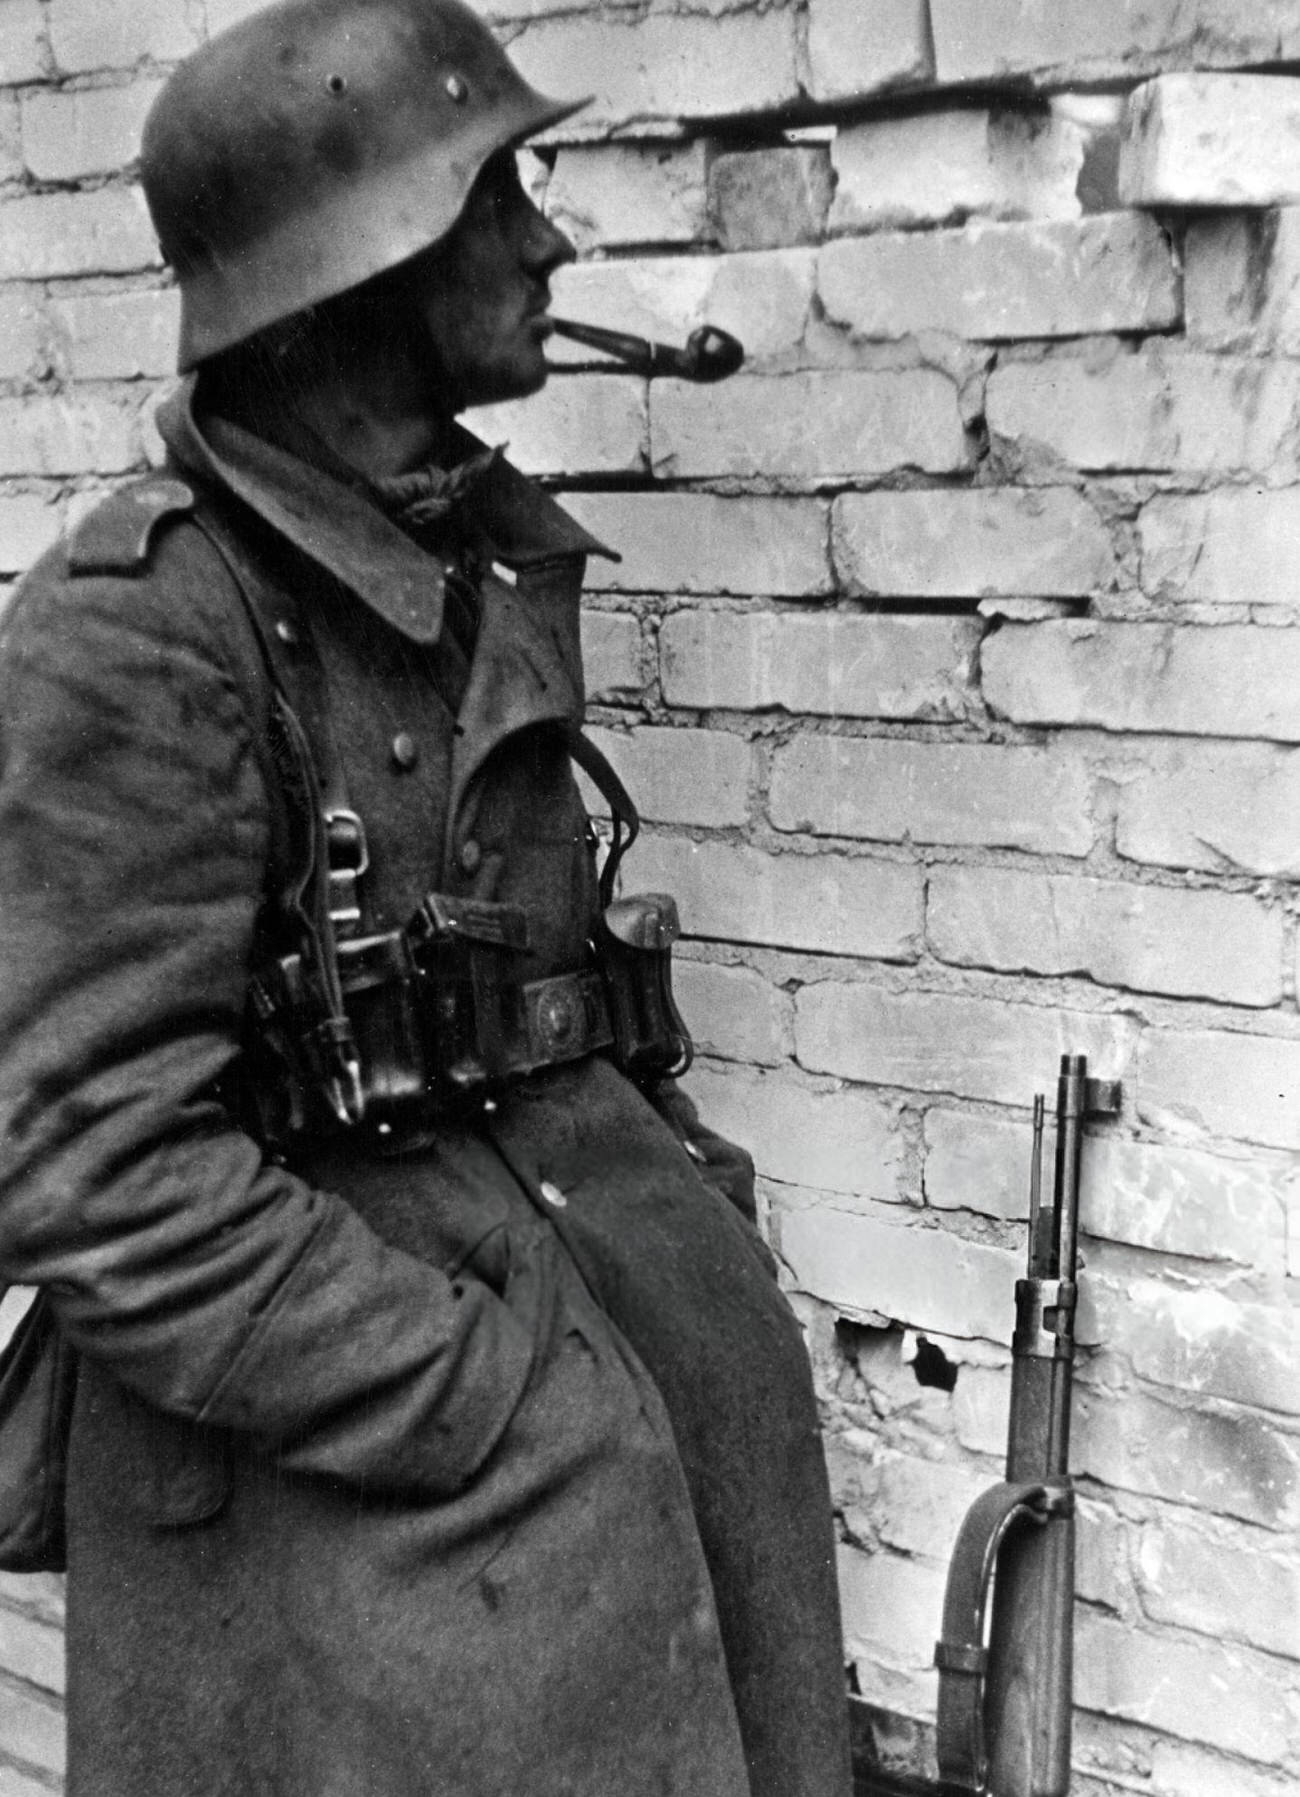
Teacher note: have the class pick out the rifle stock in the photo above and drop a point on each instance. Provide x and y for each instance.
(1005, 1657)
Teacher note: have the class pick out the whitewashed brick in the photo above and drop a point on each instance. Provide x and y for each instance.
(917, 1506)
(22, 41)
(23, 352)
(1148, 938)
(979, 40)
(607, 196)
(703, 543)
(980, 1408)
(944, 1042)
(933, 168)
(1151, 1195)
(824, 904)
(811, 425)
(1236, 680)
(119, 336)
(93, 132)
(992, 282)
(892, 1605)
(67, 435)
(577, 424)
(842, 1141)
(32, 1727)
(768, 198)
(682, 776)
(1243, 279)
(611, 652)
(950, 544)
(730, 1011)
(890, 790)
(1246, 1088)
(1192, 414)
(1236, 547)
(221, 14)
(1181, 1770)
(852, 55)
(86, 34)
(1231, 1589)
(28, 527)
(1181, 806)
(1224, 1696)
(1212, 140)
(923, 1278)
(763, 297)
(663, 66)
(837, 664)
(11, 138)
(1209, 1344)
(105, 232)
(1231, 1463)
(33, 1649)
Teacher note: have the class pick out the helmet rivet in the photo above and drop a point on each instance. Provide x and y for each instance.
(337, 84)
(457, 88)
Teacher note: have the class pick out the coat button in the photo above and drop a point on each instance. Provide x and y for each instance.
(287, 632)
(471, 856)
(552, 1194)
(405, 751)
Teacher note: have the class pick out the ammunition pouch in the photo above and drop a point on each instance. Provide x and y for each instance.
(438, 1018)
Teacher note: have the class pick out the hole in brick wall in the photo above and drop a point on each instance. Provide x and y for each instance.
(933, 1367)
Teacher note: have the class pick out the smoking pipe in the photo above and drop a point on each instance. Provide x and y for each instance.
(710, 354)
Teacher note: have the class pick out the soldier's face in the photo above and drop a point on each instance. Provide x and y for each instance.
(481, 294)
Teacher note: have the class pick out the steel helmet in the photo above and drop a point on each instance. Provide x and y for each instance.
(316, 144)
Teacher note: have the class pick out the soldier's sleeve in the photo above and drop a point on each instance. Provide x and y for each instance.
(133, 836)
(727, 1167)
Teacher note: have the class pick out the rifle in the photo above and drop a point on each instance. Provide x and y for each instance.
(1006, 1689)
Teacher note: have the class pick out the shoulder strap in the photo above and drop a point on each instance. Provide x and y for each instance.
(117, 537)
(623, 813)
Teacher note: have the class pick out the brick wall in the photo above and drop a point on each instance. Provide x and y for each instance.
(955, 658)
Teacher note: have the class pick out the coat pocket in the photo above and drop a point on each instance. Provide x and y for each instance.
(161, 1469)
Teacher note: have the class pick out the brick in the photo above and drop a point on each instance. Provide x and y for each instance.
(1188, 414)
(221, 14)
(665, 66)
(578, 424)
(824, 904)
(28, 527)
(945, 1042)
(1169, 1199)
(119, 336)
(848, 60)
(702, 543)
(1234, 680)
(980, 1409)
(1220, 1587)
(1101, 1555)
(1237, 547)
(611, 652)
(765, 199)
(1232, 1464)
(730, 1011)
(836, 664)
(923, 1278)
(937, 168)
(1223, 1084)
(764, 296)
(993, 282)
(31, 1726)
(955, 544)
(66, 436)
(1164, 1683)
(17, 1784)
(32, 1650)
(980, 40)
(918, 1506)
(611, 196)
(1184, 809)
(809, 425)
(45, 235)
(23, 349)
(41, 1594)
(841, 1141)
(1243, 279)
(22, 41)
(11, 138)
(682, 776)
(1208, 1344)
(1147, 938)
(1212, 140)
(1179, 1770)
(891, 790)
(93, 132)
(87, 35)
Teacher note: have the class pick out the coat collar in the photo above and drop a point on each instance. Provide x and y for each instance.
(339, 527)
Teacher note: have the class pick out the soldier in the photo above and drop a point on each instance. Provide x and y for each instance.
(439, 1426)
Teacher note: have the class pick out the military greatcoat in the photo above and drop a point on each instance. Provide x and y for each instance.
(484, 1467)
